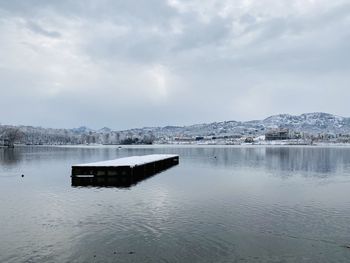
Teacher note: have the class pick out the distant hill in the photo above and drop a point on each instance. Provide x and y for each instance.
(81, 130)
(311, 123)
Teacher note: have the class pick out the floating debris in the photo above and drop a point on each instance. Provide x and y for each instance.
(346, 246)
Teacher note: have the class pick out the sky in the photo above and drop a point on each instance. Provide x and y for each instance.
(136, 63)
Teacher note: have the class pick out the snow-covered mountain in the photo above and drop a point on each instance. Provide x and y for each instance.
(312, 123)
(81, 129)
(105, 130)
(318, 122)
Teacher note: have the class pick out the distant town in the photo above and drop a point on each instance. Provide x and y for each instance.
(281, 136)
(305, 129)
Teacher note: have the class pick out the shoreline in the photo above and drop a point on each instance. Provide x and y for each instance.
(243, 145)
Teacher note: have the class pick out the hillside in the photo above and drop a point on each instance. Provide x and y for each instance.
(309, 123)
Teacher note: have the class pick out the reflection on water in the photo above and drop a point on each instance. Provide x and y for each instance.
(9, 156)
(221, 204)
(120, 181)
(310, 161)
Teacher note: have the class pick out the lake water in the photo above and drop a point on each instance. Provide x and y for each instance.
(220, 204)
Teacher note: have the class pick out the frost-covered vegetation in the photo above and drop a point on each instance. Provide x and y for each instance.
(305, 128)
(46, 136)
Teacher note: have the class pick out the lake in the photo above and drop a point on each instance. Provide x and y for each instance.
(220, 204)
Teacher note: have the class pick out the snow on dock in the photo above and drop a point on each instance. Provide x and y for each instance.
(122, 172)
(130, 161)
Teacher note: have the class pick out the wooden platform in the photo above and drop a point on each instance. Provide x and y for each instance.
(122, 172)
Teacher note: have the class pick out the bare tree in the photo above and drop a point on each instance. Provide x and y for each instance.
(12, 135)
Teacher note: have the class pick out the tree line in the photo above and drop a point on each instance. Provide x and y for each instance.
(11, 135)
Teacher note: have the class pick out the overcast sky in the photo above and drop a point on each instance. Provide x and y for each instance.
(135, 63)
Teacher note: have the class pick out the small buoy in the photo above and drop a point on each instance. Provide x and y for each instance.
(130, 253)
(22, 175)
(115, 252)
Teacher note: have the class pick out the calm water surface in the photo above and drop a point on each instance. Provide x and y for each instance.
(220, 204)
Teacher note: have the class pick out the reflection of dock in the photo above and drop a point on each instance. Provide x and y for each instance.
(123, 172)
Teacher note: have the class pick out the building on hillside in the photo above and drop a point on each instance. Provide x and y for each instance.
(249, 140)
(277, 134)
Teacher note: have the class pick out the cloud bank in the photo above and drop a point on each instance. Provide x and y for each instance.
(133, 63)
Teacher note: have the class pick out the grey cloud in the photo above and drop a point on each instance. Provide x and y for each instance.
(275, 27)
(247, 19)
(140, 47)
(198, 34)
(39, 30)
(149, 11)
(143, 46)
(129, 67)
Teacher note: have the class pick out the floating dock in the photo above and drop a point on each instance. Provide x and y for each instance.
(122, 172)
